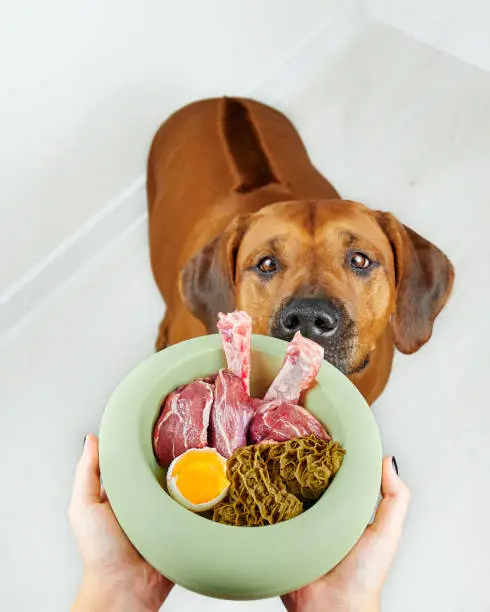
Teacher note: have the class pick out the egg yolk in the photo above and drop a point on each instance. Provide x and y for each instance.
(200, 476)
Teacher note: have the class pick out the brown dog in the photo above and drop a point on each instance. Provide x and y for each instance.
(240, 218)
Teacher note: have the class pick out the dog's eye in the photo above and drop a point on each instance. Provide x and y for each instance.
(359, 261)
(268, 265)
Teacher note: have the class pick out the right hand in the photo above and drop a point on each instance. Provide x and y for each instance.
(354, 585)
(115, 576)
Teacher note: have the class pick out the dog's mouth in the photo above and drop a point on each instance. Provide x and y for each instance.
(336, 333)
(362, 366)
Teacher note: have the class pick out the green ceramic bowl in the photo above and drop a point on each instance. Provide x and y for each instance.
(220, 560)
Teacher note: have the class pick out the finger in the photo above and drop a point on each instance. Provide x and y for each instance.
(86, 487)
(392, 509)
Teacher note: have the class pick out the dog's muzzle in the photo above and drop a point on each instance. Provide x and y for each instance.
(322, 320)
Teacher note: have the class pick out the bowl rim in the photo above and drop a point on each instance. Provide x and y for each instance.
(248, 562)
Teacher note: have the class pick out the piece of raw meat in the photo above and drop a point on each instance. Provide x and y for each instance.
(236, 334)
(230, 415)
(299, 369)
(184, 421)
(280, 421)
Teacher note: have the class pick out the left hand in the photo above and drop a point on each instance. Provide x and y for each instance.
(354, 585)
(115, 576)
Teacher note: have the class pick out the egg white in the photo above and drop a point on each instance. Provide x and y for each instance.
(177, 495)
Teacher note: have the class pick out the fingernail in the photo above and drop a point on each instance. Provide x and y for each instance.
(84, 440)
(395, 464)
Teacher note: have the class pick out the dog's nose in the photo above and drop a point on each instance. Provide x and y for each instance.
(316, 318)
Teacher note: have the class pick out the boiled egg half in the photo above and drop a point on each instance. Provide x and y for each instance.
(197, 479)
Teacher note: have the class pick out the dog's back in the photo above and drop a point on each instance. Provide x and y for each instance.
(215, 159)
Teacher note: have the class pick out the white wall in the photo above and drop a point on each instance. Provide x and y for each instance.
(459, 27)
(86, 83)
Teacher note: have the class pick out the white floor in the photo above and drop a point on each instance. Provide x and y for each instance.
(397, 125)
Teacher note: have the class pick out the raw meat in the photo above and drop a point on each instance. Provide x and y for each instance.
(184, 421)
(280, 421)
(231, 414)
(236, 334)
(299, 369)
(232, 409)
(278, 417)
(219, 409)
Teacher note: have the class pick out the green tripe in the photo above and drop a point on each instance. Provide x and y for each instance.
(273, 482)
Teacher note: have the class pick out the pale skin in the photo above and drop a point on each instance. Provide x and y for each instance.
(117, 578)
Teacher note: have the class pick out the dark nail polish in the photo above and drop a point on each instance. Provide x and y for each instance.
(395, 464)
(84, 440)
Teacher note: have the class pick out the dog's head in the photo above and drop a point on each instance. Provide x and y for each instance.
(335, 270)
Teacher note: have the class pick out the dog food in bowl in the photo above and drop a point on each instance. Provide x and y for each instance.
(256, 462)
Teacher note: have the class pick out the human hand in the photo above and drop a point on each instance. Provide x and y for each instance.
(115, 576)
(354, 585)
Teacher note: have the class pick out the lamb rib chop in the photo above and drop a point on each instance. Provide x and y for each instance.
(279, 417)
(231, 414)
(235, 329)
(232, 410)
(299, 369)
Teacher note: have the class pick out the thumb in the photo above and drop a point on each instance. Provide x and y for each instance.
(86, 487)
(392, 509)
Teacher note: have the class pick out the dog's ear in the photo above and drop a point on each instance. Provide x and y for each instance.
(424, 278)
(207, 281)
